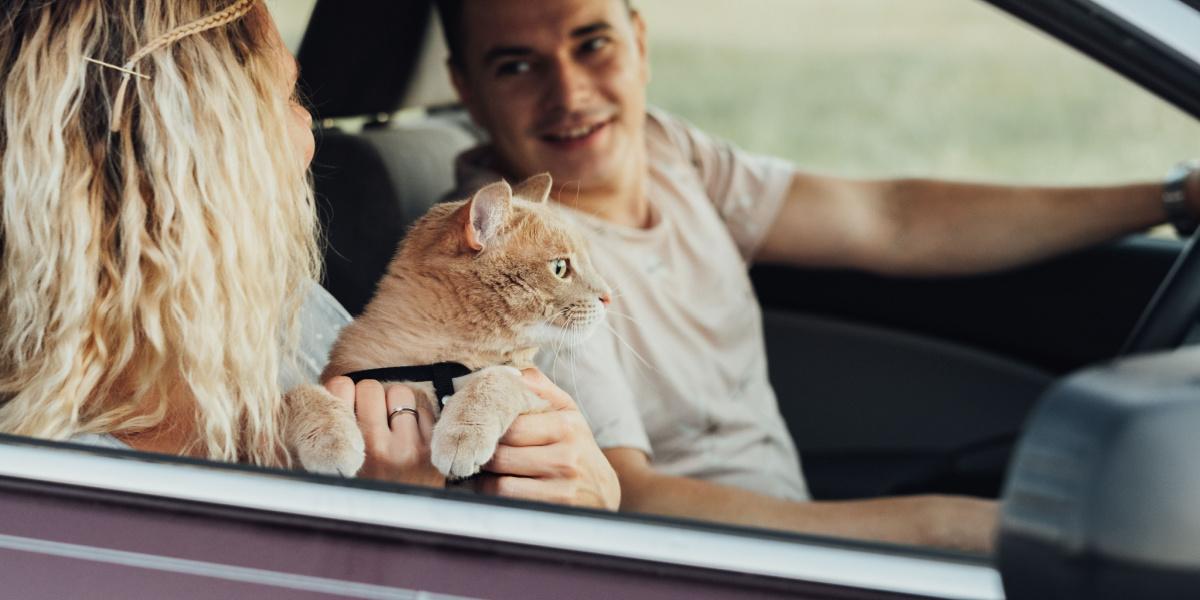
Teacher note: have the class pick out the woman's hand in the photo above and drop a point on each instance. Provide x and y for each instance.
(397, 446)
(551, 456)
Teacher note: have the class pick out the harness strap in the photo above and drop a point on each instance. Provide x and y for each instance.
(441, 374)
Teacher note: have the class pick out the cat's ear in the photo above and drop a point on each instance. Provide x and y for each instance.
(485, 213)
(535, 189)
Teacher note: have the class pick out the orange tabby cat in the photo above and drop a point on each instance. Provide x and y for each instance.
(482, 282)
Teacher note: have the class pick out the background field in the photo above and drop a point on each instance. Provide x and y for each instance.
(915, 87)
(951, 88)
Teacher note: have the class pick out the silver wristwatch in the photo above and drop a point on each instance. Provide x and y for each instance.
(1175, 198)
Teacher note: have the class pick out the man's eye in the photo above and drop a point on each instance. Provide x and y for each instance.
(594, 44)
(560, 267)
(513, 67)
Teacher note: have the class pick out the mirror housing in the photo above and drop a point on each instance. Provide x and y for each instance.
(1103, 494)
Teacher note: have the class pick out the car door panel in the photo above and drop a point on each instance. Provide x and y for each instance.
(877, 412)
(207, 530)
(893, 385)
(1057, 315)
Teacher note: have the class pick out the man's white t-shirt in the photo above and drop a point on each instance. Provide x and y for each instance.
(682, 373)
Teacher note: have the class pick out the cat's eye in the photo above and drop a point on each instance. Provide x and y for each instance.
(560, 267)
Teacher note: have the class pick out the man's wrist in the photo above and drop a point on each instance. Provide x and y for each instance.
(1181, 197)
(1193, 191)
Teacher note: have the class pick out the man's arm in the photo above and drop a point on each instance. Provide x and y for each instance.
(945, 521)
(927, 227)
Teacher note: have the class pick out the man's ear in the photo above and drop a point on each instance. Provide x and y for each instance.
(536, 188)
(462, 87)
(484, 214)
(458, 78)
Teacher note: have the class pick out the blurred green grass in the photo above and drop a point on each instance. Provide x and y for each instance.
(948, 88)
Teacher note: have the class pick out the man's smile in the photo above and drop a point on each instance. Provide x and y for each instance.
(575, 136)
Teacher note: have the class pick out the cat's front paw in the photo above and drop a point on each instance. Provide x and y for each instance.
(460, 448)
(337, 453)
(323, 433)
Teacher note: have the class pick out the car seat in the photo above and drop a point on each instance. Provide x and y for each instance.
(372, 184)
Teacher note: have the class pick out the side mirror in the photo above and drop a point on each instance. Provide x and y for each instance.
(1103, 495)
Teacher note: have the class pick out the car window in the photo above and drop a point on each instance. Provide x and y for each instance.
(291, 17)
(917, 88)
(939, 88)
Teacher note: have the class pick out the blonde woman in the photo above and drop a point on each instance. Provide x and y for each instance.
(158, 249)
(143, 294)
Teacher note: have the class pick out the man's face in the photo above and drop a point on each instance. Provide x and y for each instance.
(559, 84)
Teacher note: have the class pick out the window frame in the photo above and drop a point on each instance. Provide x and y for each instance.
(1104, 31)
(346, 506)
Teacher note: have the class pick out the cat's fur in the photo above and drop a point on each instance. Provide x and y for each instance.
(472, 283)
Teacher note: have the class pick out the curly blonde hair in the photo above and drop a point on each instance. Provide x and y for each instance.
(165, 260)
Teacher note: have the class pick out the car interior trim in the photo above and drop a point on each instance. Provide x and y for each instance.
(1101, 31)
(274, 579)
(882, 569)
(1166, 20)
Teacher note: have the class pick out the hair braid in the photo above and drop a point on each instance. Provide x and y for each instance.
(227, 15)
(231, 13)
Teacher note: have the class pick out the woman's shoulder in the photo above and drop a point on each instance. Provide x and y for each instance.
(321, 319)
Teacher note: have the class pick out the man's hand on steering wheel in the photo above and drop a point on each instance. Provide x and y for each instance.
(1172, 311)
(1193, 191)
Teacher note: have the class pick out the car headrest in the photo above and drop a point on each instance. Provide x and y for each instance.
(372, 185)
(358, 58)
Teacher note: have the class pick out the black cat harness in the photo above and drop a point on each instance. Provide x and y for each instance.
(442, 375)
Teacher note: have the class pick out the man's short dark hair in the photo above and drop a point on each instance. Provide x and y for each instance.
(450, 13)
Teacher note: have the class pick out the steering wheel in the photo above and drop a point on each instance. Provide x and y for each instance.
(1173, 310)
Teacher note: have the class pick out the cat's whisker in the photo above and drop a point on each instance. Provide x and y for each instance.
(616, 292)
(562, 340)
(578, 188)
(617, 313)
(578, 191)
(575, 380)
(629, 347)
(549, 321)
(557, 353)
(553, 362)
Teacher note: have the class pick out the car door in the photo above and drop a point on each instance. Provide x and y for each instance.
(82, 522)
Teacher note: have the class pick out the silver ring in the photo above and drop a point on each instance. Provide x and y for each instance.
(399, 411)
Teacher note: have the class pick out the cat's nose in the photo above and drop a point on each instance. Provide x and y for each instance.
(606, 299)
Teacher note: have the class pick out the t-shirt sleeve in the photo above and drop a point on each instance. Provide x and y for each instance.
(592, 374)
(747, 189)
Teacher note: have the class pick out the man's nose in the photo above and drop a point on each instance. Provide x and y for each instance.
(568, 85)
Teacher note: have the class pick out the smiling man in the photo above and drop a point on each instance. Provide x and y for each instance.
(678, 394)
(597, 142)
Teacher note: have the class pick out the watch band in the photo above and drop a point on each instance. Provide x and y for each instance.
(1175, 199)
